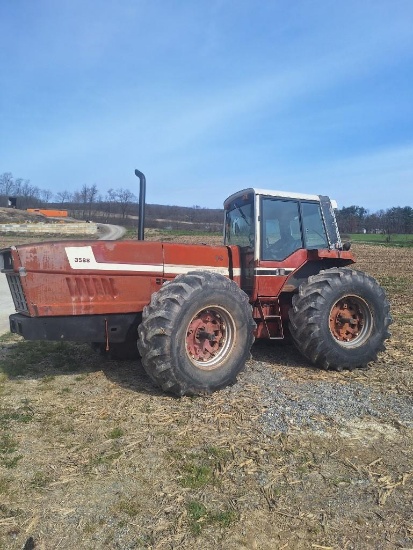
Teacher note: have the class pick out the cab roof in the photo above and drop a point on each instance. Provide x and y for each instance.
(273, 193)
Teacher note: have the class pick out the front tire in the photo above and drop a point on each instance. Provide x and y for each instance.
(340, 319)
(196, 334)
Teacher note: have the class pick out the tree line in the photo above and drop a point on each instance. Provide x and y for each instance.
(121, 206)
(356, 219)
(116, 206)
(83, 202)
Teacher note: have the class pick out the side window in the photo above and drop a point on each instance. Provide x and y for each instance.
(271, 231)
(314, 232)
(239, 225)
(281, 233)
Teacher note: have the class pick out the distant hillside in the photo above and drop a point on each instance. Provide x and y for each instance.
(157, 215)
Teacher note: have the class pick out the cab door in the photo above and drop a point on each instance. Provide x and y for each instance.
(240, 231)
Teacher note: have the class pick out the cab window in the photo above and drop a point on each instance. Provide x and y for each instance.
(281, 230)
(314, 232)
(239, 223)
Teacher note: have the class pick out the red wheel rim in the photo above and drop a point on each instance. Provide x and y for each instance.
(350, 321)
(210, 337)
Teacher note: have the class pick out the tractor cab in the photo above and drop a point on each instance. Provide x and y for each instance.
(275, 231)
(276, 224)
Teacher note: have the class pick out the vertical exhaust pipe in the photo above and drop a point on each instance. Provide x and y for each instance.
(142, 193)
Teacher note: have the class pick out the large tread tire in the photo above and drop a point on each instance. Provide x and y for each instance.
(173, 357)
(340, 319)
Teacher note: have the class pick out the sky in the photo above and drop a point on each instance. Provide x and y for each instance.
(208, 97)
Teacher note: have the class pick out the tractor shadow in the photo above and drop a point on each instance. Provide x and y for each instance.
(280, 352)
(130, 375)
(44, 361)
(47, 361)
(275, 355)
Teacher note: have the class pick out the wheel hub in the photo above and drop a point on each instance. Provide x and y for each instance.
(207, 338)
(349, 320)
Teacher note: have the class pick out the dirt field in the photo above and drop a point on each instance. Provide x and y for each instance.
(93, 456)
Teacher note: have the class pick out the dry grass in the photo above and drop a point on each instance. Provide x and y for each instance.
(93, 456)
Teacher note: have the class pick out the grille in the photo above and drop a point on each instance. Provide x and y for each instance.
(91, 288)
(17, 292)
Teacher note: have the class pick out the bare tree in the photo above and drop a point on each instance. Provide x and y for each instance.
(87, 198)
(110, 203)
(46, 195)
(29, 194)
(6, 183)
(125, 200)
(91, 198)
(63, 196)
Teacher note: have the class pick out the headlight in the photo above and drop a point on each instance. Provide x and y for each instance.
(6, 262)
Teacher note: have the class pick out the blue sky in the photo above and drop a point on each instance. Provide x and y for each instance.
(208, 97)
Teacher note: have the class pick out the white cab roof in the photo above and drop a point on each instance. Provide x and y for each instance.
(272, 193)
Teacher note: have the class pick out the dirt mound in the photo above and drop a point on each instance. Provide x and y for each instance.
(14, 215)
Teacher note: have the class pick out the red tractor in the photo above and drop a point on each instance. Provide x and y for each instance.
(194, 310)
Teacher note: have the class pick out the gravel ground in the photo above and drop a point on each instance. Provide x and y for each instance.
(318, 405)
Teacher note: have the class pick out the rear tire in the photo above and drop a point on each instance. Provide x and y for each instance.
(340, 319)
(196, 334)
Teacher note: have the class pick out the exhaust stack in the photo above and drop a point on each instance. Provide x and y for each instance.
(142, 192)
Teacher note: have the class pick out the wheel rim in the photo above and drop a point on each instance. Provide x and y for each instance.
(350, 321)
(210, 337)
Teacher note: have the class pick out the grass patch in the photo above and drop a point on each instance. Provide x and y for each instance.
(397, 285)
(81, 377)
(23, 416)
(39, 358)
(224, 518)
(200, 468)
(199, 517)
(130, 233)
(129, 507)
(65, 426)
(39, 480)
(386, 240)
(9, 512)
(6, 338)
(196, 476)
(4, 485)
(8, 447)
(197, 513)
(104, 458)
(116, 433)
(48, 379)
(12, 462)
